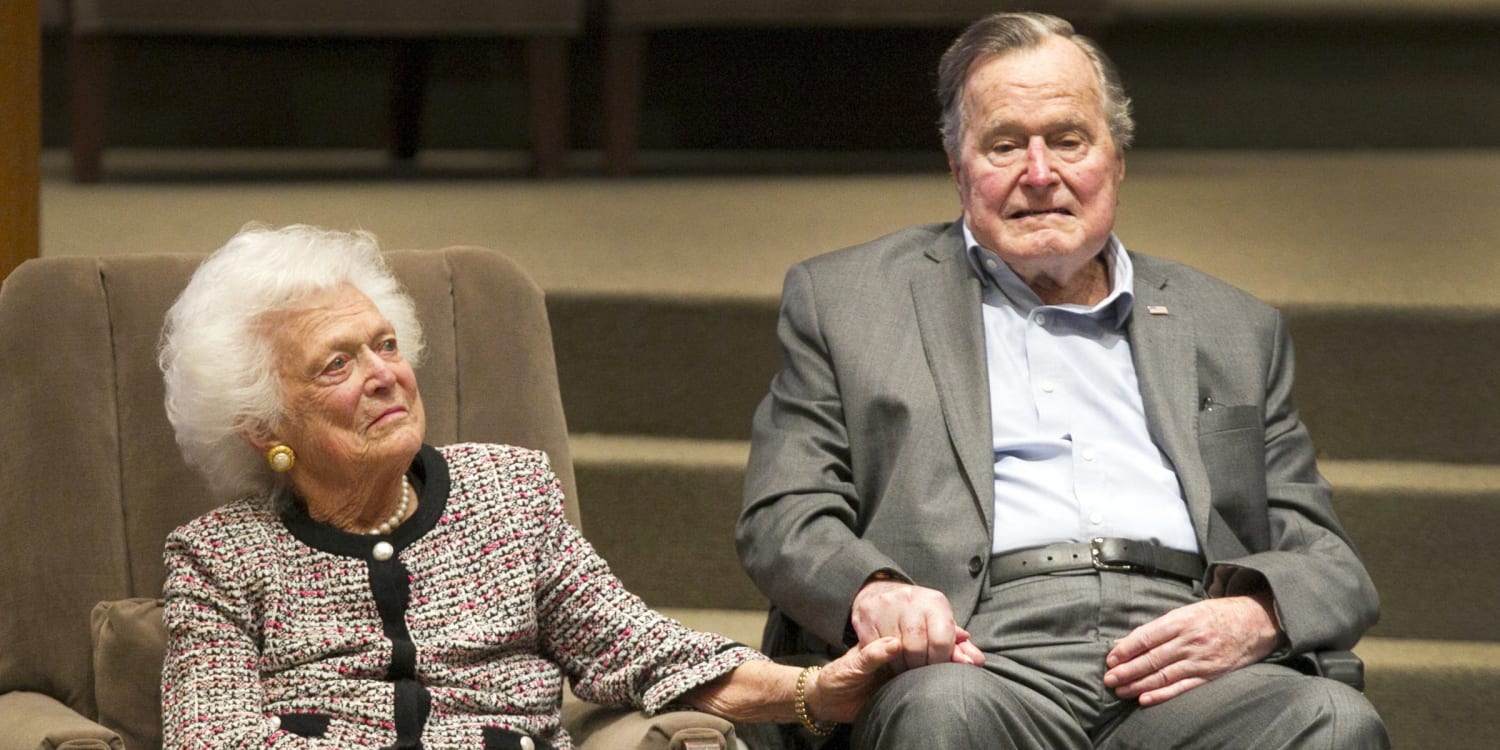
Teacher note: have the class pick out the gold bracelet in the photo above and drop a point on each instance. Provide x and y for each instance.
(799, 705)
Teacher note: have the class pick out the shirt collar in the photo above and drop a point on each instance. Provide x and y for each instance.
(993, 271)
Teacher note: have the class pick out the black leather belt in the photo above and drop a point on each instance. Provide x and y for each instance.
(1122, 555)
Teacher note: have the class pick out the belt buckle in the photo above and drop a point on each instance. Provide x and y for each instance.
(1096, 556)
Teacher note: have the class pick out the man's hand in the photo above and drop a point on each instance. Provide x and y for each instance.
(920, 617)
(1190, 646)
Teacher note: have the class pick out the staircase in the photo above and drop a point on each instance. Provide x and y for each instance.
(1398, 349)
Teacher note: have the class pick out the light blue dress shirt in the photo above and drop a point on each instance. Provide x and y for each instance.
(1073, 458)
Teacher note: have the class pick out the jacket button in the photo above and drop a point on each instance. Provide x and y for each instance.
(976, 566)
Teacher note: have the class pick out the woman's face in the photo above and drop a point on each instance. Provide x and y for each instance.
(350, 398)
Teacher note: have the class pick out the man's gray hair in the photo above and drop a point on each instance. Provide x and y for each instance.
(1003, 33)
(215, 354)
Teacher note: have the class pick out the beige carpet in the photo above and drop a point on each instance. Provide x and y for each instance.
(1400, 228)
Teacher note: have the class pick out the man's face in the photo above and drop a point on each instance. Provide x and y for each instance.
(1037, 170)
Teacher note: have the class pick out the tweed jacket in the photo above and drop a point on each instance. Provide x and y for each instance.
(283, 632)
(873, 448)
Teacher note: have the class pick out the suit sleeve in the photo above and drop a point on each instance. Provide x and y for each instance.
(1324, 597)
(797, 534)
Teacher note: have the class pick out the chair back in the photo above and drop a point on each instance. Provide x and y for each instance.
(91, 480)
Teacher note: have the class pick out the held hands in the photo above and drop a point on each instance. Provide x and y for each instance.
(763, 691)
(1190, 646)
(919, 618)
(839, 690)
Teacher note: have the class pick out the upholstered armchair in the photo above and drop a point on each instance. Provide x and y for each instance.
(91, 480)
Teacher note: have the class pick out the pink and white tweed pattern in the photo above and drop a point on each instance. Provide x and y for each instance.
(506, 598)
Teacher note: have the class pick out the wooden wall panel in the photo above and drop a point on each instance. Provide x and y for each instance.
(20, 131)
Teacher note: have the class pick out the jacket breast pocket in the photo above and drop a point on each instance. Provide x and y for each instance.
(1219, 418)
(1232, 442)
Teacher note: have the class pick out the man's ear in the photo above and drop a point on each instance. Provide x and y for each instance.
(953, 174)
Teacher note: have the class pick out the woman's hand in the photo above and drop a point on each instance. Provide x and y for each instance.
(763, 691)
(839, 690)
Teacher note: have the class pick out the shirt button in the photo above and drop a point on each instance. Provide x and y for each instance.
(1048, 386)
(527, 744)
(1088, 454)
(1096, 518)
(383, 551)
(275, 723)
(990, 263)
(975, 565)
(1041, 319)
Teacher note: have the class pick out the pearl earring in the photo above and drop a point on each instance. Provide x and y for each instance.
(281, 459)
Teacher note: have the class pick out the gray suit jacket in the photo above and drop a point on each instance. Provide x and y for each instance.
(873, 448)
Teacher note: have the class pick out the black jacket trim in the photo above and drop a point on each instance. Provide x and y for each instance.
(429, 473)
(310, 726)
(499, 738)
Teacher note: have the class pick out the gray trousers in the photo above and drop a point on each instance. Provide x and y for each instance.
(1042, 686)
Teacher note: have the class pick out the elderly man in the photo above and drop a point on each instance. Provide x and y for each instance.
(1069, 477)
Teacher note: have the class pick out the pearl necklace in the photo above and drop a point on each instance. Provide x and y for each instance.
(395, 519)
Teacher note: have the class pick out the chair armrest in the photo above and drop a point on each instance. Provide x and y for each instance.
(1339, 666)
(599, 728)
(32, 721)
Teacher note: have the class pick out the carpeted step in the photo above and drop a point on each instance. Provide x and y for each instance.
(1431, 693)
(1373, 383)
(662, 511)
(1434, 694)
(1426, 534)
(665, 366)
(1400, 384)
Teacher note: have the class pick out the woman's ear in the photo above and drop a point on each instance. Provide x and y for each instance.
(259, 437)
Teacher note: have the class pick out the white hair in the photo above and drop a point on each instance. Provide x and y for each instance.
(220, 372)
(1004, 33)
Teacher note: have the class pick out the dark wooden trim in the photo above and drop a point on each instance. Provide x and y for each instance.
(20, 132)
(408, 89)
(547, 103)
(88, 103)
(624, 58)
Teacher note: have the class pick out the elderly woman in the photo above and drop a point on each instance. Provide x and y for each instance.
(368, 590)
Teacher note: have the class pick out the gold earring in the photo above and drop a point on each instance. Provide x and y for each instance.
(281, 459)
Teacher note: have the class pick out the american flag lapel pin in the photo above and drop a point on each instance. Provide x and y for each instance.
(1157, 309)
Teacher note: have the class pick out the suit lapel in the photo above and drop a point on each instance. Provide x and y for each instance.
(1161, 343)
(946, 296)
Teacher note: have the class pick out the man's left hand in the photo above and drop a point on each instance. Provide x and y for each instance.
(1190, 646)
